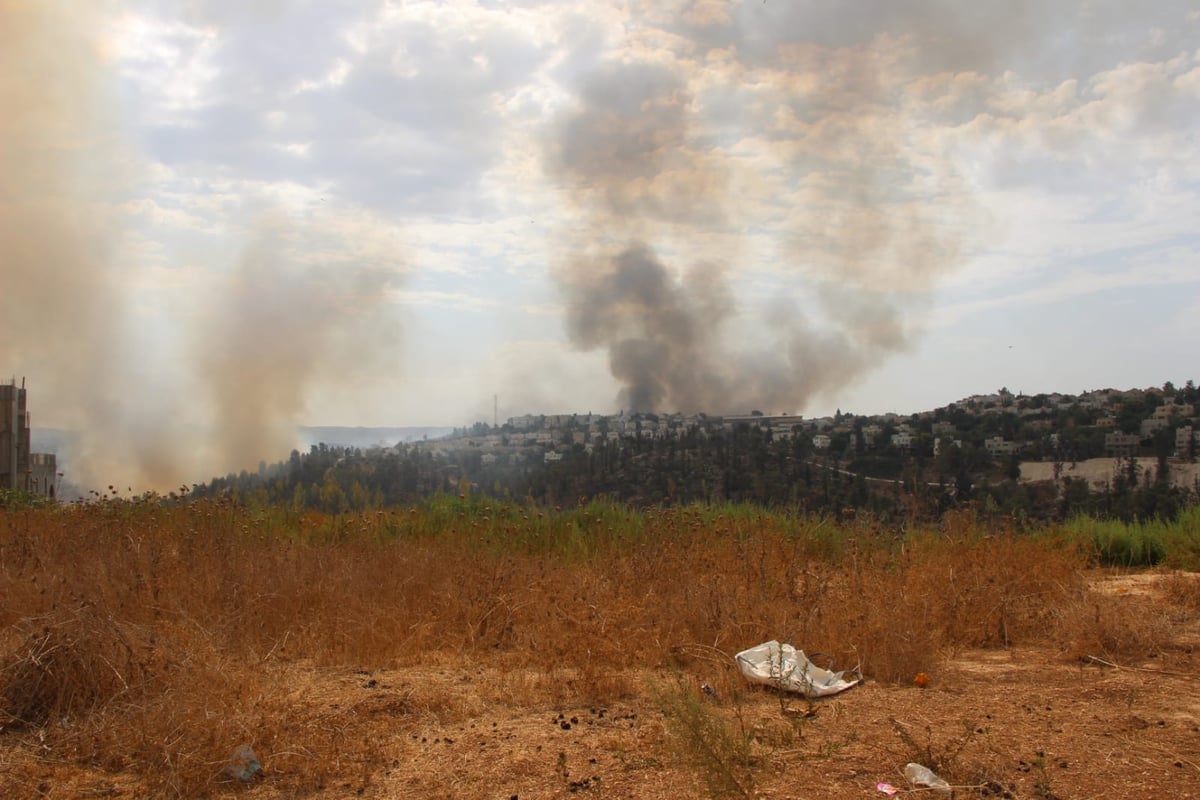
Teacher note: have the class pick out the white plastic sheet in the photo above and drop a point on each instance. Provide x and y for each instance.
(786, 668)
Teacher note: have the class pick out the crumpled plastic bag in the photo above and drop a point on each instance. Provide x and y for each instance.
(786, 668)
(922, 776)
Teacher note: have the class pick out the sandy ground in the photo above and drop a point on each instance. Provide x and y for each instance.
(1022, 722)
(1099, 471)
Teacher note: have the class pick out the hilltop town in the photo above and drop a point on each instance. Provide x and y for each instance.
(1150, 422)
(1126, 453)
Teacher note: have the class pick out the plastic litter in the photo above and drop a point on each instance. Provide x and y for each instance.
(786, 668)
(919, 775)
(244, 764)
(888, 789)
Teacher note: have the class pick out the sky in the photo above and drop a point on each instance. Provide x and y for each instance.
(222, 219)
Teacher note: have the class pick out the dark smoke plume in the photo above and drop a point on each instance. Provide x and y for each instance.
(656, 328)
(635, 155)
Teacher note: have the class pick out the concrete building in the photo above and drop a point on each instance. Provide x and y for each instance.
(1181, 410)
(999, 446)
(14, 436)
(36, 473)
(871, 433)
(1152, 425)
(1187, 441)
(1121, 444)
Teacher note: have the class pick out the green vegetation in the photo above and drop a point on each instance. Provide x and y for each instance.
(12, 499)
(745, 465)
(1174, 543)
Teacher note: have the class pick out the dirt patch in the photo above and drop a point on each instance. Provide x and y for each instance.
(1020, 721)
(1099, 472)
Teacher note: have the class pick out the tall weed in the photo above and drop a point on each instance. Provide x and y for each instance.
(147, 624)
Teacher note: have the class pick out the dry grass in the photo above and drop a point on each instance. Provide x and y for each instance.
(149, 640)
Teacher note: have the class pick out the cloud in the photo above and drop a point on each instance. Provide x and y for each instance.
(727, 205)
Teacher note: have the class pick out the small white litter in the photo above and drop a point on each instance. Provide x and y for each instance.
(786, 668)
(923, 777)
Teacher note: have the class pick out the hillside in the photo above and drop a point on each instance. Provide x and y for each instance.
(1000, 451)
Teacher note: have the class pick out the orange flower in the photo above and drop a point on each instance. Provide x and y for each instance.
(922, 680)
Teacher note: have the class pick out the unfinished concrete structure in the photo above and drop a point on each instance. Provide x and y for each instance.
(36, 473)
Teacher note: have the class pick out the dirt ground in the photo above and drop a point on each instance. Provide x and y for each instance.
(1023, 723)
(1100, 471)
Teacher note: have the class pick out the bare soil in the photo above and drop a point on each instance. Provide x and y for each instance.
(1018, 722)
(1100, 471)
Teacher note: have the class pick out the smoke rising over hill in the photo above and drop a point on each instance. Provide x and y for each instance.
(637, 155)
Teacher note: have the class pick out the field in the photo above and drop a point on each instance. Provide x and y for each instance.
(473, 649)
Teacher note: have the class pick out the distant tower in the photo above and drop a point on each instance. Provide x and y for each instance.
(20, 469)
(495, 411)
(14, 435)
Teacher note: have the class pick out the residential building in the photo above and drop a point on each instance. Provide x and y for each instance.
(821, 441)
(14, 436)
(1168, 410)
(781, 432)
(1152, 426)
(999, 446)
(1121, 444)
(871, 433)
(36, 473)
